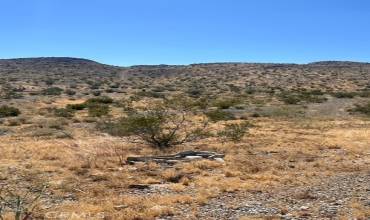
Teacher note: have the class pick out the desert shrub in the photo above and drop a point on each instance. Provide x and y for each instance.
(52, 91)
(202, 103)
(49, 81)
(364, 94)
(234, 132)
(101, 100)
(314, 92)
(77, 107)
(342, 95)
(63, 112)
(11, 95)
(234, 88)
(8, 111)
(226, 103)
(95, 85)
(159, 89)
(114, 85)
(314, 96)
(255, 115)
(70, 92)
(195, 92)
(290, 99)
(250, 90)
(98, 110)
(219, 115)
(34, 93)
(96, 93)
(57, 124)
(14, 122)
(180, 102)
(364, 109)
(97, 107)
(158, 126)
(109, 90)
(151, 94)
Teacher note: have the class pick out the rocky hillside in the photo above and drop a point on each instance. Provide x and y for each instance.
(55, 65)
(325, 75)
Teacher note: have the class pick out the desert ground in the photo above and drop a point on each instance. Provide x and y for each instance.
(295, 140)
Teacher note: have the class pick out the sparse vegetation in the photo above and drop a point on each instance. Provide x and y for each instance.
(234, 132)
(219, 115)
(9, 111)
(53, 91)
(97, 110)
(341, 95)
(63, 112)
(76, 132)
(364, 109)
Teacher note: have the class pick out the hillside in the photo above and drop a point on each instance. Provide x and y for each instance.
(48, 66)
(327, 75)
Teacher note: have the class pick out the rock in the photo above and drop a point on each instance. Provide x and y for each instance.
(220, 160)
(304, 208)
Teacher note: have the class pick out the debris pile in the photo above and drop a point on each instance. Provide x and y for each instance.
(182, 156)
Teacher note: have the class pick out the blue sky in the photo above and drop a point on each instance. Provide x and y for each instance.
(123, 32)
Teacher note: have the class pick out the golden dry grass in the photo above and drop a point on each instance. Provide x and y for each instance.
(89, 167)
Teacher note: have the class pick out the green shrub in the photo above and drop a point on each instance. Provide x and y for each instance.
(98, 110)
(96, 93)
(49, 81)
(77, 107)
(64, 112)
(290, 99)
(70, 92)
(294, 98)
(364, 109)
(157, 127)
(219, 115)
(151, 94)
(195, 92)
(8, 111)
(234, 132)
(52, 91)
(226, 103)
(114, 85)
(342, 95)
(101, 100)
(11, 95)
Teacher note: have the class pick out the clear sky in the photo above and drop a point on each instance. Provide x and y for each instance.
(128, 32)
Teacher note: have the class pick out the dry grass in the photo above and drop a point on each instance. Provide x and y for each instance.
(90, 168)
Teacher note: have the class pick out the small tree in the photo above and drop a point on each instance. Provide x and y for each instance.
(160, 126)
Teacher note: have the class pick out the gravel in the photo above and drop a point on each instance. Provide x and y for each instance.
(329, 199)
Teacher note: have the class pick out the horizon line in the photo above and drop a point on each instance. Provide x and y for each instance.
(191, 63)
